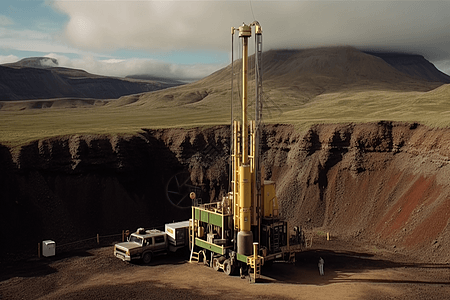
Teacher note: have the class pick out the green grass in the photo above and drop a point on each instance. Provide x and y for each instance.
(21, 127)
(430, 108)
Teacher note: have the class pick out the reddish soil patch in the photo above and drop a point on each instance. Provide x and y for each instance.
(430, 228)
(399, 214)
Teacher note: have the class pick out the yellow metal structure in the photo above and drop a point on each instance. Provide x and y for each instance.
(245, 198)
(243, 168)
(243, 230)
(255, 261)
(270, 203)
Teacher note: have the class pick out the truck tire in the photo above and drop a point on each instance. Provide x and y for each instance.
(216, 265)
(227, 267)
(147, 258)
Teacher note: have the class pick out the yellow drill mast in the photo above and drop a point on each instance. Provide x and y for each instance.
(246, 202)
(229, 232)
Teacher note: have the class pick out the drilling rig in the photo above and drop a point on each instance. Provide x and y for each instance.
(244, 230)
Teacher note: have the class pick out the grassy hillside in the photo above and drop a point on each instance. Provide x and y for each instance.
(331, 85)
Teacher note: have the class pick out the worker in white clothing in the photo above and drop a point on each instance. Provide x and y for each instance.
(321, 262)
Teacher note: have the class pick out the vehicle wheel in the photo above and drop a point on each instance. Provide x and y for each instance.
(147, 258)
(227, 267)
(216, 265)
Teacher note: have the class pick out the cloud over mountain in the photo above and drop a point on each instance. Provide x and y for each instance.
(414, 26)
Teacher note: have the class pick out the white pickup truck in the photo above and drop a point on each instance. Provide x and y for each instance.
(144, 244)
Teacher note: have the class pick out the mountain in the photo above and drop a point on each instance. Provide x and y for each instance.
(415, 66)
(292, 77)
(42, 78)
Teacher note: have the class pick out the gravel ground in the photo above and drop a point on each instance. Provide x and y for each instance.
(351, 272)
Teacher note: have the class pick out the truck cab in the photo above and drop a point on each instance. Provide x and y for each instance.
(142, 245)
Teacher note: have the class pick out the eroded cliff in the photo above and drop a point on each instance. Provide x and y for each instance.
(385, 183)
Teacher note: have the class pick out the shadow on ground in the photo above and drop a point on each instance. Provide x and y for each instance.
(342, 266)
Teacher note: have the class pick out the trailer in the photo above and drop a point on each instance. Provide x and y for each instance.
(177, 234)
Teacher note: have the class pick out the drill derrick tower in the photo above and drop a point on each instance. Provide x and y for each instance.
(244, 230)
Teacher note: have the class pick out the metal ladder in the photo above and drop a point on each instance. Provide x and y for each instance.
(195, 256)
(276, 239)
(255, 265)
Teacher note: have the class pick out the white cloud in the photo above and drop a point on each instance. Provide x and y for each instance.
(123, 67)
(112, 61)
(151, 24)
(48, 63)
(8, 59)
(415, 26)
(443, 66)
(97, 28)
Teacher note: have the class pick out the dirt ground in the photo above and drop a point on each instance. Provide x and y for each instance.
(351, 272)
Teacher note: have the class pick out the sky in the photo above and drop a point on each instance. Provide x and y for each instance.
(188, 40)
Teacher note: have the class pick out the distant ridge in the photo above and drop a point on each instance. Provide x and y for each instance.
(290, 76)
(337, 67)
(339, 61)
(414, 65)
(41, 78)
(323, 69)
(295, 77)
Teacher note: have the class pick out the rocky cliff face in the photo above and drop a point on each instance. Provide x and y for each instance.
(70, 188)
(385, 183)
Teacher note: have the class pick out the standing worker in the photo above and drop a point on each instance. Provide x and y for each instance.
(321, 262)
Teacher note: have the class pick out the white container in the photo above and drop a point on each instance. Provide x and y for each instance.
(178, 233)
(48, 248)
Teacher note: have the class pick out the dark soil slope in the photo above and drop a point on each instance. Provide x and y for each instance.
(382, 183)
